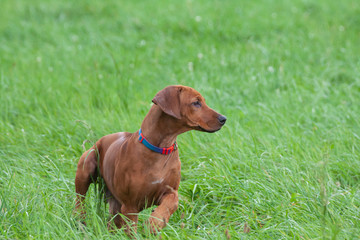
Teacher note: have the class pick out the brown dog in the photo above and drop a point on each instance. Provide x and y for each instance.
(140, 169)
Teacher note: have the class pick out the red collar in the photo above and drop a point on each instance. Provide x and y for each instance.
(164, 151)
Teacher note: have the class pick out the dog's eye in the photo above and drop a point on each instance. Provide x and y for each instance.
(196, 104)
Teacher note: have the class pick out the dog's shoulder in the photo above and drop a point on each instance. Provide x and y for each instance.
(106, 141)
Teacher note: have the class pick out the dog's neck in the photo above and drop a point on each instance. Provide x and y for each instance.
(161, 129)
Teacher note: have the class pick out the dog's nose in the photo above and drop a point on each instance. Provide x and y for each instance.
(222, 119)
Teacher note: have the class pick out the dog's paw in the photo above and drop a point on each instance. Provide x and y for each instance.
(156, 225)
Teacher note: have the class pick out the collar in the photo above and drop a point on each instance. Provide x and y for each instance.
(164, 151)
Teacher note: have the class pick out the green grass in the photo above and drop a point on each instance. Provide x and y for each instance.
(285, 73)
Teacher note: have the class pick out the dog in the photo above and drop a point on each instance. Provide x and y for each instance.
(142, 169)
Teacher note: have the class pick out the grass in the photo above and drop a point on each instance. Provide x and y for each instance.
(285, 73)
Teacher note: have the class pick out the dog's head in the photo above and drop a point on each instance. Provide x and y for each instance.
(188, 106)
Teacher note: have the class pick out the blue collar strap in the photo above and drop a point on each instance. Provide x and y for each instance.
(164, 151)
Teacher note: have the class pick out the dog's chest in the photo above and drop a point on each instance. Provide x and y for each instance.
(145, 179)
(158, 181)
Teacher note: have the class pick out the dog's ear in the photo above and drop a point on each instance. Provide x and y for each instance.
(168, 100)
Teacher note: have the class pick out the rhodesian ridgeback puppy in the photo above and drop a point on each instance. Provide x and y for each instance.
(142, 169)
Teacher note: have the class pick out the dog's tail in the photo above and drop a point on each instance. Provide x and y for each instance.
(99, 184)
(91, 159)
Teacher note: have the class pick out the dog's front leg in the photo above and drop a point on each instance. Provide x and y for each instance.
(131, 213)
(161, 215)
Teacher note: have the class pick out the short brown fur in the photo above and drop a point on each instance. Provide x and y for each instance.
(137, 177)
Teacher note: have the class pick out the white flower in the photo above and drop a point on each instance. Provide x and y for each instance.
(191, 66)
(74, 38)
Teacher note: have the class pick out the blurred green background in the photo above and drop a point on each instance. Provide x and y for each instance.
(285, 73)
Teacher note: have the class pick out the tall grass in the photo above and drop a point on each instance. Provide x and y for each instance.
(285, 73)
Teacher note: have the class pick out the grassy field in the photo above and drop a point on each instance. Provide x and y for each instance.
(285, 73)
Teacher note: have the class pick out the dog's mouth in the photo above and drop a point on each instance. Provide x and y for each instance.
(205, 130)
